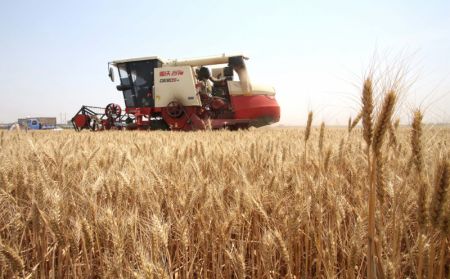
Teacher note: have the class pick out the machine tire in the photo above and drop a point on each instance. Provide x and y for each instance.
(159, 125)
(94, 125)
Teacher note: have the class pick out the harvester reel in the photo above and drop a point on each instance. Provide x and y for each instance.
(175, 109)
(113, 110)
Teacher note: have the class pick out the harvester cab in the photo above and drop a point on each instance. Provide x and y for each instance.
(194, 94)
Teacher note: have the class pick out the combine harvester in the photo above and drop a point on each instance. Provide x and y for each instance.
(183, 95)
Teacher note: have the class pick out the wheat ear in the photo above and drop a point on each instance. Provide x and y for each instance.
(367, 110)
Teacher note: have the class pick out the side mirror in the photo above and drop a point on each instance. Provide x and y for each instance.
(111, 74)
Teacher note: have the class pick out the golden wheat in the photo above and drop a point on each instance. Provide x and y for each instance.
(214, 204)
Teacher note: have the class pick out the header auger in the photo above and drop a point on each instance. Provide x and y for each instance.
(195, 94)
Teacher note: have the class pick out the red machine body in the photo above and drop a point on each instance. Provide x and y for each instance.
(183, 95)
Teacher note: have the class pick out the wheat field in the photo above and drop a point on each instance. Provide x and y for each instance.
(262, 203)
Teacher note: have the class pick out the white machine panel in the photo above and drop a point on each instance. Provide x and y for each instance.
(175, 84)
(235, 89)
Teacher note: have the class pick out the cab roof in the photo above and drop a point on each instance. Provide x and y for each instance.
(136, 59)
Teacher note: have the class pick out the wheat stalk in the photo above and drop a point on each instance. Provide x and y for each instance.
(376, 184)
(356, 121)
(308, 126)
(416, 142)
(321, 136)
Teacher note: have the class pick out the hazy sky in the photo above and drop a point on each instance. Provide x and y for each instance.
(54, 54)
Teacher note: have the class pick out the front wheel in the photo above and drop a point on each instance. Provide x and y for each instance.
(94, 125)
